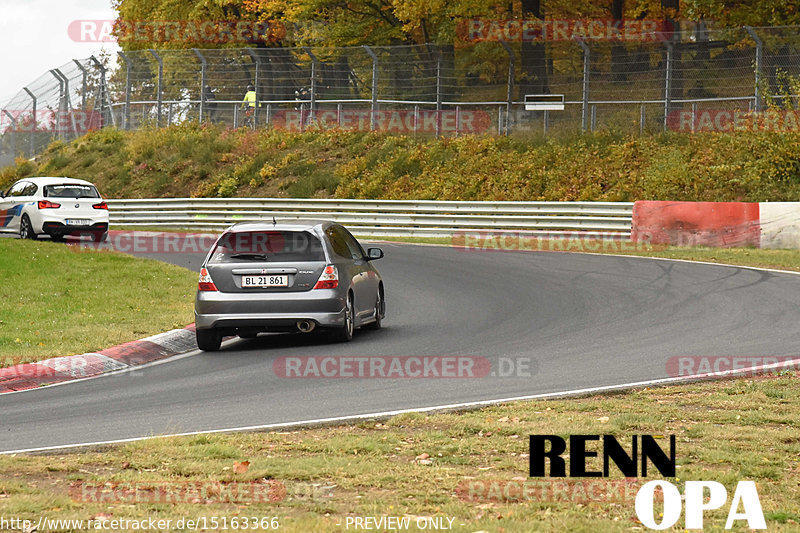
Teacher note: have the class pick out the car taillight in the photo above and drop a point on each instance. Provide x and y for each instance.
(329, 278)
(101, 205)
(205, 283)
(47, 204)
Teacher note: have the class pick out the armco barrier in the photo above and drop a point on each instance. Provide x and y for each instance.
(382, 217)
(720, 224)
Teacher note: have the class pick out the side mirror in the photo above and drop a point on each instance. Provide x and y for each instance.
(374, 253)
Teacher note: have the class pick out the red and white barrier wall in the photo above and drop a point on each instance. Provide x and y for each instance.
(718, 224)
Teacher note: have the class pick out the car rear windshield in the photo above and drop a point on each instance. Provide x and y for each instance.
(270, 246)
(70, 191)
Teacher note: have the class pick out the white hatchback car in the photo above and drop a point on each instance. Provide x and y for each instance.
(53, 206)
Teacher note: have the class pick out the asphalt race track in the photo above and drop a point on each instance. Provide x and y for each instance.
(582, 321)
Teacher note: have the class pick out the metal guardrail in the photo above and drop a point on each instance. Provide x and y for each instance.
(387, 218)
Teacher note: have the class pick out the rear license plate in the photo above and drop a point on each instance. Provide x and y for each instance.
(265, 281)
(78, 222)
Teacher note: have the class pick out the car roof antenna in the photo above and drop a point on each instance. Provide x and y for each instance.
(273, 220)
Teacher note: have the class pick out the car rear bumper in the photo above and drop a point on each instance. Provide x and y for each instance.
(277, 311)
(52, 227)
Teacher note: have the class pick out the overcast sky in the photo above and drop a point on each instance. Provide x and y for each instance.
(34, 38)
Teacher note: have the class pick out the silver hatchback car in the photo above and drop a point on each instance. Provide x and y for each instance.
(291, 275)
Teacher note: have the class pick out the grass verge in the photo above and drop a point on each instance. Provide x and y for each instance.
(413, 464)
(101, 299)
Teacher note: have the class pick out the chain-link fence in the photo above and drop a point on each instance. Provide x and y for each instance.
(478, 87)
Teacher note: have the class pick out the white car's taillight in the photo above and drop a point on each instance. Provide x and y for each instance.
(205, 283)
(47, 204)
(329, 279)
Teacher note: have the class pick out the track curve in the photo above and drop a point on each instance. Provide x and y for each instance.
(583, 320)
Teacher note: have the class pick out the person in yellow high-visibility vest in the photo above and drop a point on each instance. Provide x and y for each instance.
(249, 101)
(249, 105)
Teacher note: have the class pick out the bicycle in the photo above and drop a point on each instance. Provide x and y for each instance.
(250, 118)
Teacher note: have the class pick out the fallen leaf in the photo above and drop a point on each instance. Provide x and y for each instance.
(240, 467)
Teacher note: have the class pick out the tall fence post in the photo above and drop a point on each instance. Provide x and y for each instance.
(61, 103)
(510, 92)
(34, 120)
(667, 83)
(585, 98)
(757, 66)
(105, 100)
(68, 104)
(84, 74)
(14, 132)
(256, 82)
(126, 117)
(203, 84)
(159, 95)
(313, 82)
(642, 118)
(374, 106)
(438, 94)
(499, 120)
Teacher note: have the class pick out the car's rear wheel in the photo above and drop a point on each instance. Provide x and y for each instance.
(380, 310)
(345, 333)
(26, 229)
(208, 340)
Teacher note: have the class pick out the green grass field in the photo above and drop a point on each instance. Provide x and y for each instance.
(63, 300)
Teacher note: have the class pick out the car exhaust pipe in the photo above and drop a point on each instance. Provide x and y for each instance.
(306, 326)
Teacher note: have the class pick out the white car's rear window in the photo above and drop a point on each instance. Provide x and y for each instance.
(70, 191)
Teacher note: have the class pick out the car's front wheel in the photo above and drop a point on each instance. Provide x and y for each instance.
(345, 333)
(208, 340)
(26, 228)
